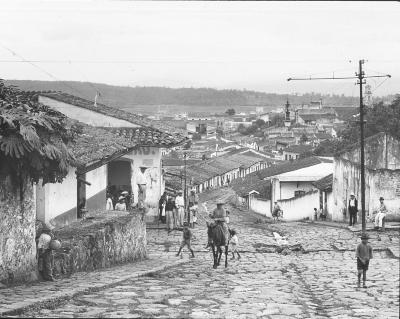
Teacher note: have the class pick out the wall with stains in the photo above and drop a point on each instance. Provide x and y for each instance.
(17, 232)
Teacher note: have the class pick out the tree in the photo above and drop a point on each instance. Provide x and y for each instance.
(303, 138)
(379, 118)
(230, 112)
(259, 123)
(278, 119)
(33, 138)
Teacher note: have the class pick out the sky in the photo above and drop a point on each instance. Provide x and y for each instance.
(223, 45)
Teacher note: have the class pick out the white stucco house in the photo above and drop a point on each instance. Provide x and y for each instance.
(102, 165)
(292, 185)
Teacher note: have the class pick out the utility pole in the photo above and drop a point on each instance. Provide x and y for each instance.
(361, 80)
(185, 191)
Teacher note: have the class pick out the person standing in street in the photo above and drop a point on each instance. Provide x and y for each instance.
(193, 198)
(161, 207)
(382, 211)
(187, 236)
(170, 208)
(353, 209)
(141, 182)
(363, 255)
(109, 203)
(45, 253)
(234, 241)
(180, 207)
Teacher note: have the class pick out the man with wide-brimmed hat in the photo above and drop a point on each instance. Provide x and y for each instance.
(121, 205)
(363, 255)
(381, 213)
(219, 216)
(353, 209)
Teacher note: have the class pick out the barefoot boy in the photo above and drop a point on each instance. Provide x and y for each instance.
(363, 255)
(186, 239)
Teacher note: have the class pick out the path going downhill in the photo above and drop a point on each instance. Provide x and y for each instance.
(313, 276)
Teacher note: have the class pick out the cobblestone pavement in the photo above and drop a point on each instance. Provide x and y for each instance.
(314, 277)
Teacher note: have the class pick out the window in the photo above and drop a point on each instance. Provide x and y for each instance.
(299, 193)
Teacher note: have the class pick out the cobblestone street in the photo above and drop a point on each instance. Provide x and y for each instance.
(313, 277)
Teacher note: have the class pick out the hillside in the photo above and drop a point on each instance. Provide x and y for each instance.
(138, 97)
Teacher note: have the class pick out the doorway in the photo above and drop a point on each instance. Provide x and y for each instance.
(119, 176)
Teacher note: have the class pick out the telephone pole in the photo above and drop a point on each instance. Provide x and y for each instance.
(361, 80)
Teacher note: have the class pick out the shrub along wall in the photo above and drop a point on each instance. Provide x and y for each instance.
(100, 244)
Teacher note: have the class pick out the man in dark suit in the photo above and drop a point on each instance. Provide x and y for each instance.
(353, 209)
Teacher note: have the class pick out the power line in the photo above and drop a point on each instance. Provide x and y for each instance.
(361, 80)
(39, 68)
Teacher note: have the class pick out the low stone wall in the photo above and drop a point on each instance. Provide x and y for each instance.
(102, 241)
(17, 232)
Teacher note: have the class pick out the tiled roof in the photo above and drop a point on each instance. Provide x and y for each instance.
(300, 149)
(325, 183)
(95, 144)
(243, 186)
(346, 113)
(323, 136)
(147, 136)
(315, 117)
(111, 111)
(244, 161)
(178, 162)
(290, 166)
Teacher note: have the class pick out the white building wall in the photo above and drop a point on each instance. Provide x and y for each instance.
(149, 157)
(300, 207)
(84, 115)
(98, 180)
(261, 206)
(288, 188)
(54, 199)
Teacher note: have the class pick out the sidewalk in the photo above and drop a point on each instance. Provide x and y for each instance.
(14, 300)
(355, 228)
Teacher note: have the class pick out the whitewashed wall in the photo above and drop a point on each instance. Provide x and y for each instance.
(288, 188)
(55, 199)
(151, 158)
(261, 206)
(300, 207)
(84, 115)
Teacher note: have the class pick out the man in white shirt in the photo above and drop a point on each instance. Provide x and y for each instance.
(109, 203)
(121, 205)
(180, 206)
(382, 210)
(141, 182)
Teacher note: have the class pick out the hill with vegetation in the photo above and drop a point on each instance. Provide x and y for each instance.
(130, 97)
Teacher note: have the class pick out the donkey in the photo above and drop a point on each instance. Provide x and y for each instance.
(216, 239)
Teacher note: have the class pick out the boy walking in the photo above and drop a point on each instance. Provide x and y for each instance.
(186, 239)
(234, 243)
(363, 255)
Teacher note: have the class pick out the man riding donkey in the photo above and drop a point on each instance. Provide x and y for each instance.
(218, 233)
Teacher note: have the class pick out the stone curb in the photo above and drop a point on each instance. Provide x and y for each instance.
(345, 226)
(15, 310)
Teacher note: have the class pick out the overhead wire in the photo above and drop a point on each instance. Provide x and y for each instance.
(39, 68)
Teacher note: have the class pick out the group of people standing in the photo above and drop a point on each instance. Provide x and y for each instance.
(172, 210)
(353, 210)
